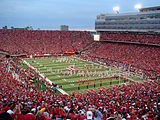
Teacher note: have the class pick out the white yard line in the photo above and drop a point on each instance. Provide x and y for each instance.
(48, 80)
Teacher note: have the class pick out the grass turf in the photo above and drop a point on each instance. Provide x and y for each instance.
(59, 65)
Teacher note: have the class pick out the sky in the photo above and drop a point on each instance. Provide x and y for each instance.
(50, 14)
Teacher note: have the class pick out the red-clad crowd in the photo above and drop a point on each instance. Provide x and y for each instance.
(137, 101)
(37, 42)
(140, 56)
(20, 100)
(144, 38)
(42, 42)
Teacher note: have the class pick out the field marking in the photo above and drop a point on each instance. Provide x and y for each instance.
(53, 72)
(46, 79)
(110, 70)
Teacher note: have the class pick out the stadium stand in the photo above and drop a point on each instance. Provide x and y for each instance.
(145, 21)
(21, 100)
(132, 37)
(41, 42)
(139, 56)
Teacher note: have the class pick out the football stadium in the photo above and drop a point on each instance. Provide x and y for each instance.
(111, 73)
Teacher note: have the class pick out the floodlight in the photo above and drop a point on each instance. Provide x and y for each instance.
(116, 9)
(138, 6)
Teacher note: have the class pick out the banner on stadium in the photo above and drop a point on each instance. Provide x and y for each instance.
(70, 52)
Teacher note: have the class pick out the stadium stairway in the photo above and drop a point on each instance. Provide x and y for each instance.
(87, 46)
(4, 52)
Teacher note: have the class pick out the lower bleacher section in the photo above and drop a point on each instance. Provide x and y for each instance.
(22, 101)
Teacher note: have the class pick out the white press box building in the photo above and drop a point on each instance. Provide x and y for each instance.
(147, 19)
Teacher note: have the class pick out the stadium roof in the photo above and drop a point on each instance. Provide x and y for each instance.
(149, 9)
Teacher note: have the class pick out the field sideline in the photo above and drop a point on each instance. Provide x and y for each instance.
(64, 70)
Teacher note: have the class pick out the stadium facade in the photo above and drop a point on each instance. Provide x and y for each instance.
(147, 19)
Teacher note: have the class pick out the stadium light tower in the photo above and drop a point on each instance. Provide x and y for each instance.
(116, 9)
(138, 6)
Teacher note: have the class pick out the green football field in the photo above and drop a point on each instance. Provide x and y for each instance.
(85, 74)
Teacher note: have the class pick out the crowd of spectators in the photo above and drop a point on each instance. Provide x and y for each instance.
(21, 100)
(42, 42)
(140, 56)
(37, 42)
(144, 38)
(128, 102)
